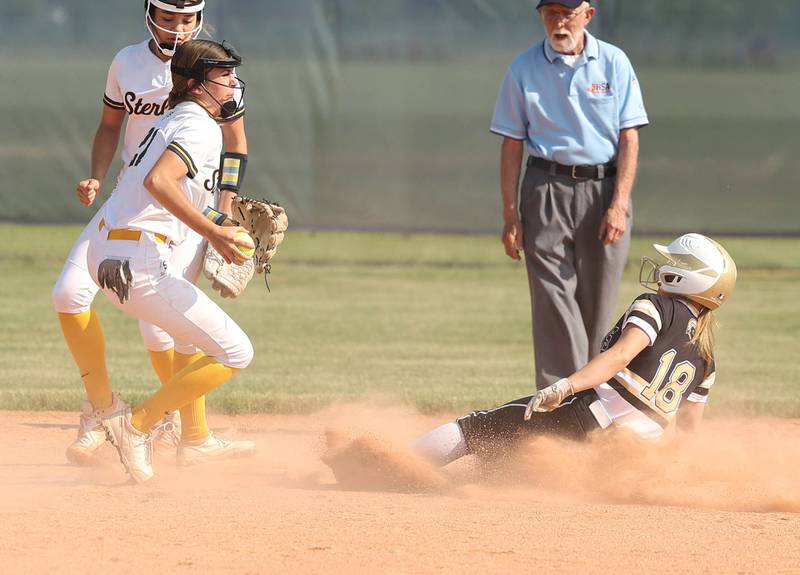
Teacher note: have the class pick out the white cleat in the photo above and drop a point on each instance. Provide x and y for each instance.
(91, 436)
(167, 434)
(134, 447)
(213, 447)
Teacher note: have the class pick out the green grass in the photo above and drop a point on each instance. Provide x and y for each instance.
(438, 322)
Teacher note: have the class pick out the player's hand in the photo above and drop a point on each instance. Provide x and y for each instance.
(87, 191)
(613, 225)
(549, 398)
(224, 240)
(512, 238)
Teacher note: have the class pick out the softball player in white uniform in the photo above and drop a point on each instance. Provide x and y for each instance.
(137, 87)
(157, 202)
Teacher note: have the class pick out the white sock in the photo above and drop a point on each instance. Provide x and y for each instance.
(442, 445)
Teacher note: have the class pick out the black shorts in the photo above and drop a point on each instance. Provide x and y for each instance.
(494, 431)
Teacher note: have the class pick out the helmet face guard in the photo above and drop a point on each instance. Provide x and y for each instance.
(199, 72)
(648, 274)
(179, 7)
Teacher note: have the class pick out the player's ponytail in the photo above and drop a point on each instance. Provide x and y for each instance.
(187, 57)
(703, 337)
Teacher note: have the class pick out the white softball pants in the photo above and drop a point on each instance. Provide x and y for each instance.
(75, 289)
(161, 296)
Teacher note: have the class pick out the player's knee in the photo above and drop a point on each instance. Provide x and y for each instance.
(74, 290)
(186, 348)
(68, 300)
(242, 354)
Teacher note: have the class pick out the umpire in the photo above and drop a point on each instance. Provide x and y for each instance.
(576, 102)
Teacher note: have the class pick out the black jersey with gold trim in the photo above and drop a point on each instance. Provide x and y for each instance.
(653, 386)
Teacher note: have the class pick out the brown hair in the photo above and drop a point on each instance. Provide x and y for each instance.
(187, 56)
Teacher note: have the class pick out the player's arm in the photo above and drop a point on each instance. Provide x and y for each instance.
(104, 148)
(163, 183)
(235, 142)
(511, 151)
(605, 365)
(690, 415)
(615, 220)
(598, 371)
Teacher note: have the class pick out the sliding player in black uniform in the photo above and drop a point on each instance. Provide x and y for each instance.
(655, 369)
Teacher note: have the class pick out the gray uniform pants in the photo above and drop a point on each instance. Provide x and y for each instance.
(573, 278)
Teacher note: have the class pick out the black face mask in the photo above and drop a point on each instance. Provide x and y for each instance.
(227, 108)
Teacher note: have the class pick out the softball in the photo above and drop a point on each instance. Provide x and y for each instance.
(250, 248)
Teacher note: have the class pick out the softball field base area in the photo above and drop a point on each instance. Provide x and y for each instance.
(727, 502)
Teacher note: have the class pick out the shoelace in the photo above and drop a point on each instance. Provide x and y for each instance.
(148, 445)
(163, 429)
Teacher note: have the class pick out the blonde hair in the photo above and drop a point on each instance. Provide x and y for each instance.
(703, 338)
(186, 56)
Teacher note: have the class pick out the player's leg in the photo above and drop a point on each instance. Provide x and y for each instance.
(72, 298)
(194, 426)
(180, 308)
(493, 434)
(164, 356)
(197, 442)
(161, 351)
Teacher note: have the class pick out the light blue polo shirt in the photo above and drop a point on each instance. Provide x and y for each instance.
(570, 115)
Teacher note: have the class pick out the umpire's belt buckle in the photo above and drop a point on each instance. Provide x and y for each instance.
(575, 175)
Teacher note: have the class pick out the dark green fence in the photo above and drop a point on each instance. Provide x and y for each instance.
(374, 115)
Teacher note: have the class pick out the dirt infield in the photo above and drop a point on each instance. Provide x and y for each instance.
(727, 502)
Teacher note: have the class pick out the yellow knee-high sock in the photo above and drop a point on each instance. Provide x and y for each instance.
(88, 347)
(193, 415)
(193, 381)
(162, 362)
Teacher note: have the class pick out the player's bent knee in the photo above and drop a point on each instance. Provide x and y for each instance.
(67, 299)
(186, 348)
(241, 355)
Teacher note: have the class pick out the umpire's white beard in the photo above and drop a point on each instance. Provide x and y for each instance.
(563, 42)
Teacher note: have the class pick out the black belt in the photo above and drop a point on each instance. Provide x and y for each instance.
(575, 172)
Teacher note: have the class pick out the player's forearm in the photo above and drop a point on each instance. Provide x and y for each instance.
(599, 370)
(225, 201)
(235, 141)
(104, 148)
(627, 163)
(607, 364)
(233, 137)
(510, 166)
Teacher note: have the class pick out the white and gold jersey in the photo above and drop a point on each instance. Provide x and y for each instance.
(645, 396)
(191, 134)
(139, 83)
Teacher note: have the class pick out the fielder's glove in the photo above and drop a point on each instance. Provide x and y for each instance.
(266, 222)
(228, 279)
(549, 398)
